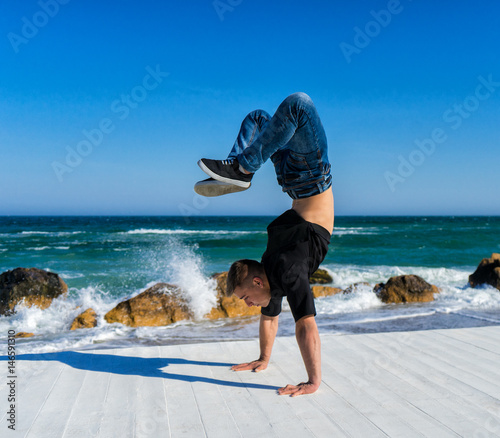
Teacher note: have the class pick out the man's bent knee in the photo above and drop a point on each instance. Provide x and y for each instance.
(259, 115)
(298, 98)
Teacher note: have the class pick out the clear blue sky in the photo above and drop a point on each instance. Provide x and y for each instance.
(384, 75)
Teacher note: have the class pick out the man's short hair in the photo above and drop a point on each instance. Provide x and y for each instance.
(242, 271)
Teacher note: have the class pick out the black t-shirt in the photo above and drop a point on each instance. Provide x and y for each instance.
(295, 249)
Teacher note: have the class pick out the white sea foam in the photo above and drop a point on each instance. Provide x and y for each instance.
(51, 326)
(345, 275)
(455, 294)
(70, 275)
(42, 248)
(54, 319)
(392, 317)
(181, 231)
(342, 231)
(452, 299)
(182, 266)
(362, 299)
(51, 233)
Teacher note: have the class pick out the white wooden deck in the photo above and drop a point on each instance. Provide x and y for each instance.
(441, 383)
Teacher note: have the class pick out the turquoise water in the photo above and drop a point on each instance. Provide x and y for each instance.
(107, 259)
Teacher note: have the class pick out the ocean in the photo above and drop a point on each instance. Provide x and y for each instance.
(105, 260)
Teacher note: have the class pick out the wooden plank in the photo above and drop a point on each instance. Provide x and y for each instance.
(151, 415)
(33, 393)
(86, 415)
(345, 417)
(478, 338)
(243, 402)
(183, 415)
(456, 413)
(288, 417)
(214, 413)
(119, 410)
(60, 400)
(469, 345)
(431, 384)
(469, 356)
(24, 369)
(392, 392)
(371, 407)
(439, 384)
(488, 333)
(470, 370)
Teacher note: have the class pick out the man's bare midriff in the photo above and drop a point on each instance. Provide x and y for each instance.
(317, 209)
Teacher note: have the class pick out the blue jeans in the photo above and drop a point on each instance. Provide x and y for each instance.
(295, 141)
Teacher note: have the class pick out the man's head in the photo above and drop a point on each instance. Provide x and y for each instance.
(248, 281)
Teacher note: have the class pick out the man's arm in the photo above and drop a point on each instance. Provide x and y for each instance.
(267, 333)
(306, 332)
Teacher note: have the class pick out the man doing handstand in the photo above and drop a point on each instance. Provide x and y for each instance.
(298, 240)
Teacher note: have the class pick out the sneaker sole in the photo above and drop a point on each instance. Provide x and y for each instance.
(214, 188)
(236, 182)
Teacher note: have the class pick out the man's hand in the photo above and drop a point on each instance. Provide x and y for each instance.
(256, 366)
(267, 332)
(300, 389)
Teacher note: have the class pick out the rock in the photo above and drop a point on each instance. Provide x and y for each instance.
(216, 313)
(405, 289)
(221, 280)
(229, 306)
(488, 272)
(87, 319)
(321, 276)
(233, 306)
(354, 287)
(23, 335)
(159, 305)
(324, 291)
(31, 286)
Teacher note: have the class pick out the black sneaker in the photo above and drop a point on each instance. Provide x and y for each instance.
(211, 187)
(227, 171)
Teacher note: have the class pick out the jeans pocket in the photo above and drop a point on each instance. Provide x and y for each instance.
(301, 168)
